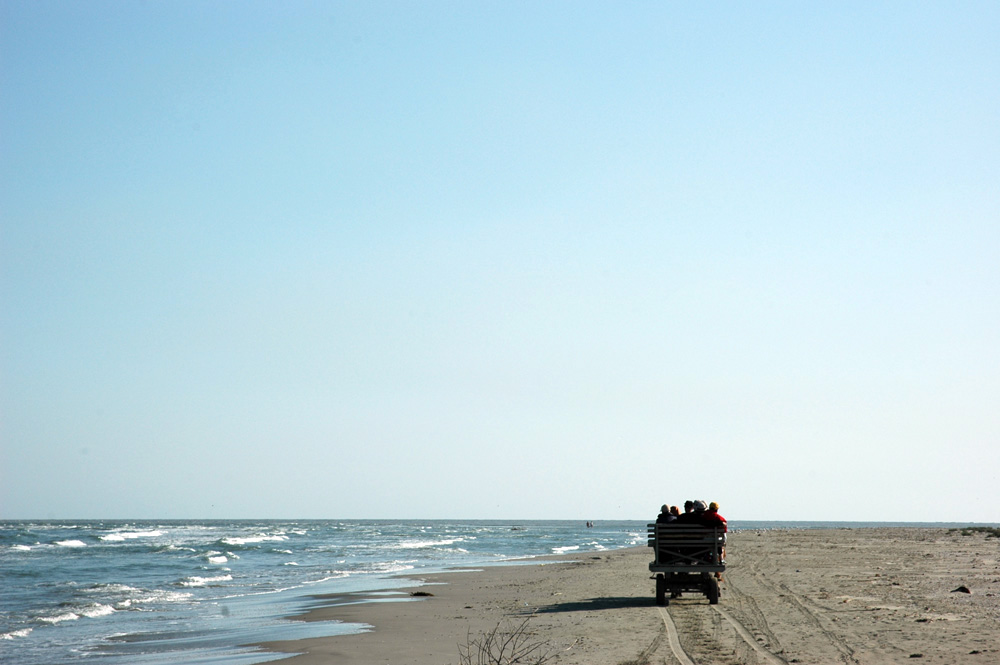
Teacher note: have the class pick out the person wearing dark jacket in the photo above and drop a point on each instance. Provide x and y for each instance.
(666, 515)
(693, 515)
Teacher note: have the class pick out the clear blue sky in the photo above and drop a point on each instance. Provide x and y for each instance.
(499, 260)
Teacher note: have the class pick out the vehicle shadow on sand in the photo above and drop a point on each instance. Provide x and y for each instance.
(591, 604)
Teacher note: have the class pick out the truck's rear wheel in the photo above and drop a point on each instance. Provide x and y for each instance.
(713, 591)
(661, 590)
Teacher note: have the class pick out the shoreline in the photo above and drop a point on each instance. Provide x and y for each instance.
(863, 595)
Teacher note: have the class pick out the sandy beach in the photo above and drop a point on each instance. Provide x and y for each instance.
(789, 596)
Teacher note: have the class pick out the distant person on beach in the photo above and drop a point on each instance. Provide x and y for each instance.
(666, 515)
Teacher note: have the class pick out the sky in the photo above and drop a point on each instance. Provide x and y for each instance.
(499, 260)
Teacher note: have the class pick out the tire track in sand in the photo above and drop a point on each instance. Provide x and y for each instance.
(781, 591)
(749, 639)
(756, 622)
(682, 657)
(673, 639)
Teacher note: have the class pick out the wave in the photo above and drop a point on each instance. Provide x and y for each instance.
(110, 587)
(125, 597)
(195, 581)
(92, 611)
(237, 542)
(120, 536)
(24, 632)
(564, 550)
(160, 596)
(59, 618)
(390, 566)
(71, 543)
(96, 610)
(421, 544)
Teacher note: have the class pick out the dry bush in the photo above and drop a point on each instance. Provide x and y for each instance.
(506, 644)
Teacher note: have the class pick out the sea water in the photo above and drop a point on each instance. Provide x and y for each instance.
(196, 591)
(157, 592)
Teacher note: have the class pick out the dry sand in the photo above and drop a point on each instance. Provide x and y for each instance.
(789, 596)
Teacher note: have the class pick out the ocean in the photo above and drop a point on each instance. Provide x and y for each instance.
(199, 592)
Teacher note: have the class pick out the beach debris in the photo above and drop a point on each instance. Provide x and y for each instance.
(421, 593)
(962, 589)
(916, 655)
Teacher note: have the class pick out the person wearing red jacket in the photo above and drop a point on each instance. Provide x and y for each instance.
(711, 517)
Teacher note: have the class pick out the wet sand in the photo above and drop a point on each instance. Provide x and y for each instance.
(789, 596)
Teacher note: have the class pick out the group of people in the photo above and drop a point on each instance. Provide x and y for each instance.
(695, 512)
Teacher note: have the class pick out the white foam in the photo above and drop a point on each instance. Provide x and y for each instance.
(21, 548)
(563, 550)
(24, 632)
(254, 539)
(290, 563)
(420, 544)
(59, 618)
(92, 611)
(161, 596)
(71, 543)
(205, 581)
(391, 566)
(97, 610)
(218, 559)
(110, 588)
